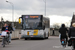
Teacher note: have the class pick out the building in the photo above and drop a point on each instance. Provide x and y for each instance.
(73, 19)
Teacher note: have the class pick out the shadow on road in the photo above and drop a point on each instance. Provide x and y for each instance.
(34, 39)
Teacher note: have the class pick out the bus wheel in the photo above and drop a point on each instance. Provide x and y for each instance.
(26, 38)
(46, 37)
(43, 38)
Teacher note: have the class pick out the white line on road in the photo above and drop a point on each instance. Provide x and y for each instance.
(57, 47)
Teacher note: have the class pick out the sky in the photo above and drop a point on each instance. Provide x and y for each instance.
(59, 11)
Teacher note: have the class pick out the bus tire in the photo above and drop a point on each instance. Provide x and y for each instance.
(26, 38)
(46, 37)
(43, 38)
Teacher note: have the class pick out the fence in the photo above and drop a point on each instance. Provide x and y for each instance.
(55, 31)
(15, 34)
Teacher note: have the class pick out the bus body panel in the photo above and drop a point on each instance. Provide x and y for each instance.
(32, 33)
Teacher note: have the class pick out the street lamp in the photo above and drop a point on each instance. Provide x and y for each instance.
(12, 12)
(45, 6)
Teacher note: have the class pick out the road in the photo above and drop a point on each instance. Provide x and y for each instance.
(52, 43)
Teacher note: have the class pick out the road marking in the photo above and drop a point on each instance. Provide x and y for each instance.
(58, 47)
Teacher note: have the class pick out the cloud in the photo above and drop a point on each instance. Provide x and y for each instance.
(59, 8)
(53, 7)
(61, 3)
(60, 19)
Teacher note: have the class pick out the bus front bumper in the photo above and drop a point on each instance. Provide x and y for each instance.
(32, 36)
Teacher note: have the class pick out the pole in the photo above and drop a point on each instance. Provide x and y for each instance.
(45, 6)
(12, 12)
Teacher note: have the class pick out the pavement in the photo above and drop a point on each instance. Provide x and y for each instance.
(53, 43)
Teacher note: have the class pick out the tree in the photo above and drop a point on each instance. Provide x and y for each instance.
(2, 20)
(7, 21)
(56, 26)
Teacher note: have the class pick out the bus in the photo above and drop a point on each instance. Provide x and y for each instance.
(34, 26)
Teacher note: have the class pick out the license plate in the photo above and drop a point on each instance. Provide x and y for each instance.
(62, 42)
(31, 36)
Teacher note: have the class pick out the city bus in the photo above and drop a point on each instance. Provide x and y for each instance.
(34, 26)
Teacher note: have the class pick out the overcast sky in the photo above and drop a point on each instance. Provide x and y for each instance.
(58, 9)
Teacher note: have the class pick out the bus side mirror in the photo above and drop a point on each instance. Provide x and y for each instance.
(43, 27)
(19, 21)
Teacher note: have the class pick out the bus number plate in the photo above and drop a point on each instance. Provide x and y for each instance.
(31, 36)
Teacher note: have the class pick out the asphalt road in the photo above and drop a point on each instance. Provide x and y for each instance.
(52, 43)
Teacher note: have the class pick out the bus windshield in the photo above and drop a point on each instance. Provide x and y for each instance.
(32, 24)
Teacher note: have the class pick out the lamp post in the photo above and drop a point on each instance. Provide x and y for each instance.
(45, 6)
(12, 12)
